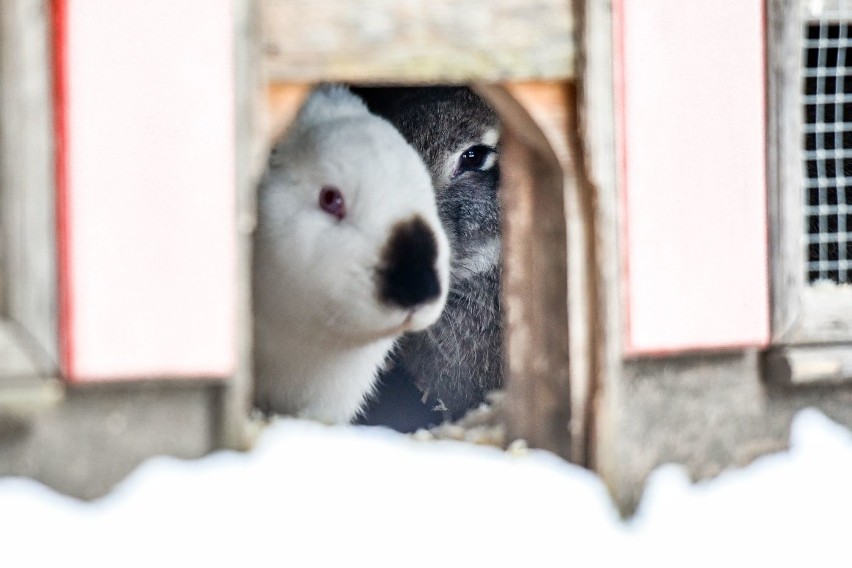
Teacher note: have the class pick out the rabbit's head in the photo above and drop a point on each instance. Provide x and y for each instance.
(348, 227)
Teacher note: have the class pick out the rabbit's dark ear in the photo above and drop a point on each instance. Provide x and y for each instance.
(327, 103)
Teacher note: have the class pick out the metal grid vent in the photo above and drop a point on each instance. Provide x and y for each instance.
(828, 151)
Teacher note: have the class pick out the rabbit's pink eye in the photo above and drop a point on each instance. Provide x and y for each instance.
(331, 201)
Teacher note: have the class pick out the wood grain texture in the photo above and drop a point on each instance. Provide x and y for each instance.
(809, 365)
(550, 106)
(535, 287)
(27, 219)
(417, 41)
(784, 129)
(606, 390)
(236, 429)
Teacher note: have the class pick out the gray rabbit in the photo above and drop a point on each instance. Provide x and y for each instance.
(460, 358)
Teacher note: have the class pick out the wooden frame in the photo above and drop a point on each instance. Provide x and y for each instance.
(545, 282)
(452, 41)
(28, 329)
(555, 108)
(802, 313)
(808, 321)
(237, 429)
(596, 133)
(535, 272)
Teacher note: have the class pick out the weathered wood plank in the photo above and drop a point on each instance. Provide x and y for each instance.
(535, 288)
(418, 41)
(549, 105)
(26, 172)
(237, 430)
(596, 125)
(16, 358)
(784, 129)
(26, 384)
(826, 314)
(810, 365)
(826, 9)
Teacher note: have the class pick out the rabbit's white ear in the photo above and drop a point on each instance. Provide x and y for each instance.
(327, 103)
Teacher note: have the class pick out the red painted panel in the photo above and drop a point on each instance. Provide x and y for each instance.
(60, 42)
(691, 110)
(146, 200)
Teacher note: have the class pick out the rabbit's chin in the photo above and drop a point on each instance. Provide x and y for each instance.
(425, 317)
(389, 325)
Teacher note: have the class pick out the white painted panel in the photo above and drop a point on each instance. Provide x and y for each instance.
(150, 244)
(692, 100)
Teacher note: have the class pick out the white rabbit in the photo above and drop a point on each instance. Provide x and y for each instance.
(349, 253)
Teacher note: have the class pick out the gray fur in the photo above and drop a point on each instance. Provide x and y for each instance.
(460, 358)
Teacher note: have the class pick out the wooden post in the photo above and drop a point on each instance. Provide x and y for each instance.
(534, 281)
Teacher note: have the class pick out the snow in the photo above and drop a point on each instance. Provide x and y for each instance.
(314, 495)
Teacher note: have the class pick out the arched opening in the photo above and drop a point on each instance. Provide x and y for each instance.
(544, 275)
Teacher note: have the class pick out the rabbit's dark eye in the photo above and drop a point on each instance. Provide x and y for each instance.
(477, 158)
(331, 201)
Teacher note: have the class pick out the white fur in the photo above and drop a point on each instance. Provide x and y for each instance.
(491, 137)
(321, 332)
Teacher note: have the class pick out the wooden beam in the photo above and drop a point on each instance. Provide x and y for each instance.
(236, 429)
(809, 365)
(26, 174)
(419, 41)
(535, 287)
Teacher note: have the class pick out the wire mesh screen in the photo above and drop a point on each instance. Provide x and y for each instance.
(828, 151)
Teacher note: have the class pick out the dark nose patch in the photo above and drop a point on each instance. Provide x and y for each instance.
(407, 275)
